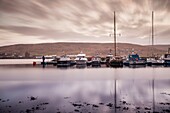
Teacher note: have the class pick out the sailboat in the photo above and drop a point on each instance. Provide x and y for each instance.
(152, 60)
(115, 61)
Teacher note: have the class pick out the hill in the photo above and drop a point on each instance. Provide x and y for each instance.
(88, 48)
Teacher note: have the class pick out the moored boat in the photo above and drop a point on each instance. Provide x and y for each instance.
(134, 59)
(81, 59)
(108, 58)
(116, 61)
(153, 61)
(166, 59)
(64, 61)
(89, 61)
(96, 60)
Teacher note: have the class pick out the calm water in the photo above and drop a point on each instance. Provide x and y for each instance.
(95, 90)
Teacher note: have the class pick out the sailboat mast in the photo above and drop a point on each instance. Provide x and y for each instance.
(152, 32)
(115, 32)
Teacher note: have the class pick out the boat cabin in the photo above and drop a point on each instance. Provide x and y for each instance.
(134, 57)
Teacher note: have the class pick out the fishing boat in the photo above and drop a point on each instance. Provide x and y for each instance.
(81, 59)
(116, 61)
(64, 61)
(96, 60)
(134, 59)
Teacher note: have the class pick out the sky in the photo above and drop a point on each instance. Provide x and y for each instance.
(44, 21)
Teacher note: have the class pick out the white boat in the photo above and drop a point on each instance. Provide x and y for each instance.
(64, 61)
(81, 59)
(153, 61)
(109, 56)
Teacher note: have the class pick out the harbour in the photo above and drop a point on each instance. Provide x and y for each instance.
(117, 90)
(85, 56)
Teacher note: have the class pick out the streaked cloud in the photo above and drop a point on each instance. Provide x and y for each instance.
(83, 21)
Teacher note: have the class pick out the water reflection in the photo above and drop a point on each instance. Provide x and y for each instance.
(85, 90)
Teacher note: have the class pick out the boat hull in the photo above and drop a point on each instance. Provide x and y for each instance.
(116, 63)
(139, 62)
(167, 62)
(96, 64)
(63, 64)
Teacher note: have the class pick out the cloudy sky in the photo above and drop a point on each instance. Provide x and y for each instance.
(41, 21)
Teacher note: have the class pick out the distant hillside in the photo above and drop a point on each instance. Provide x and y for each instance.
(88, 48)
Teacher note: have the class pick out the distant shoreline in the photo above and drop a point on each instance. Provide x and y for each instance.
(89, 49)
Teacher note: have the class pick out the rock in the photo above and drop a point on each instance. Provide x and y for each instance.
(101, 103)
(110, 105)
(124, 102)
(28, 111)
(166, 110)
(95, 105)
(37, 108)
(74, 104)
(137, 107)
(33, 98)
(125, 108)
(118, 107)
(76, 110)
(147, 108)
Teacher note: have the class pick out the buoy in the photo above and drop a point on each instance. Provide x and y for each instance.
(34, 63)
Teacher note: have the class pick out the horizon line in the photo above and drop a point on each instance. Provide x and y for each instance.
(80, 42)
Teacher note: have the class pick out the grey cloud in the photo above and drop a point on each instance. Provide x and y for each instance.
(44, 33)
(23, 30)
(28, 8)
(160, 5)
(86, 18)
